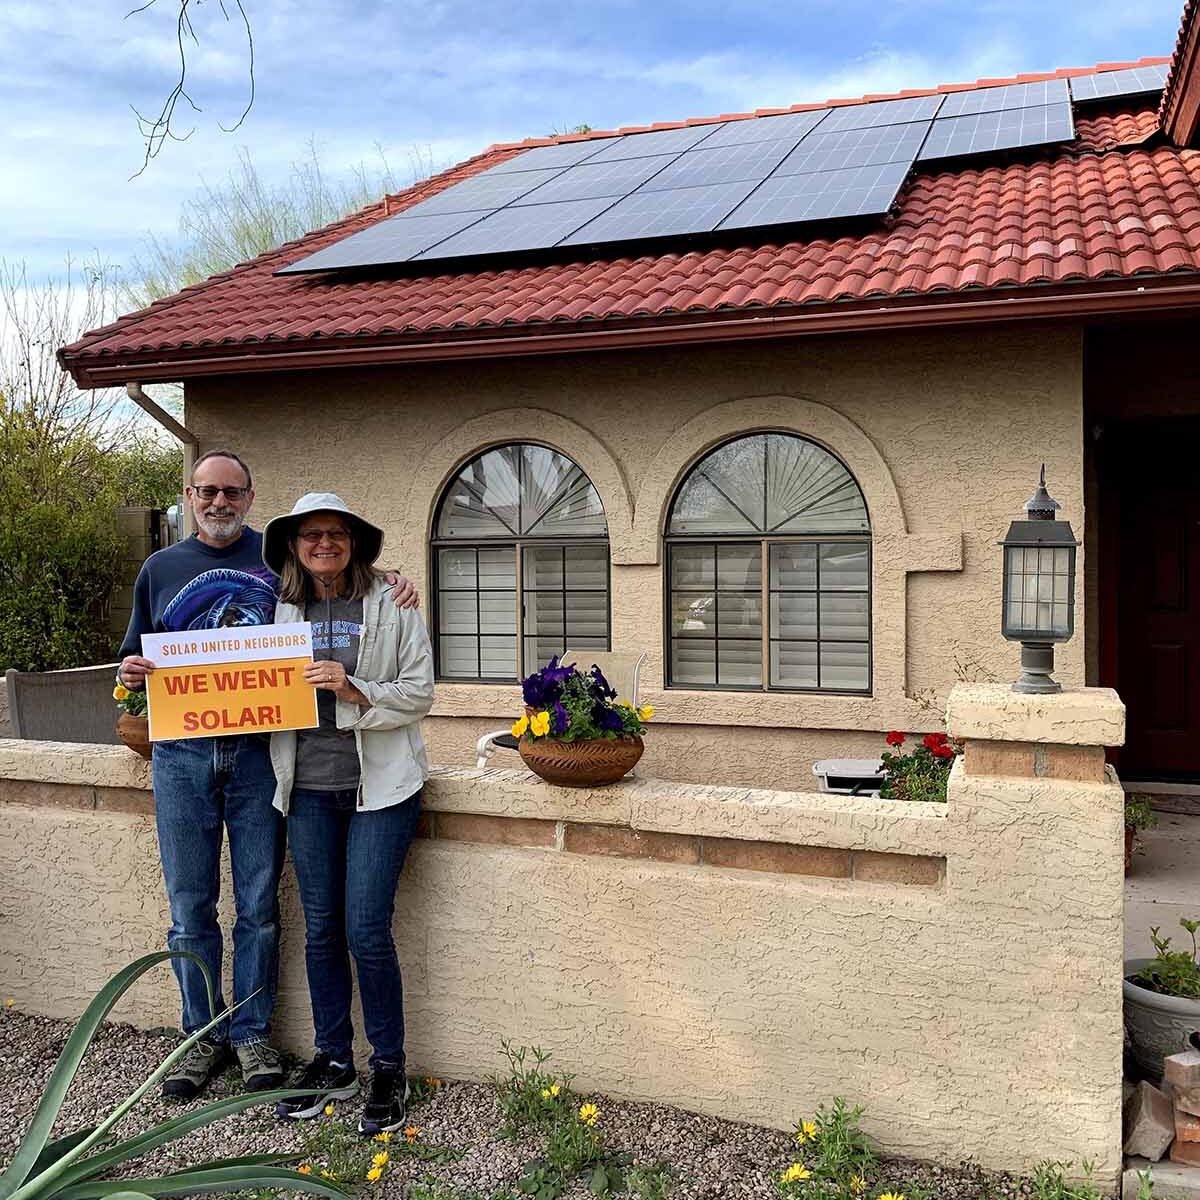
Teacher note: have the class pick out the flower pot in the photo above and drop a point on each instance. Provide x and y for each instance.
(1157, 1025)
(135, 733)
(589, 763)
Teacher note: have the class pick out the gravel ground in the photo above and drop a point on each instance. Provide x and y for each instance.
(709, 1159)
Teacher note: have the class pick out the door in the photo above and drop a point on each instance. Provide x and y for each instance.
(1157, 478)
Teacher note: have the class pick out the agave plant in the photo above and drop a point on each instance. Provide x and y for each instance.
(78, 1166)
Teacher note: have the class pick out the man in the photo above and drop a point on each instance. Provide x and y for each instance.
(204, 785)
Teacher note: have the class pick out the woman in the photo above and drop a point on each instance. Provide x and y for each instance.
(351, 792)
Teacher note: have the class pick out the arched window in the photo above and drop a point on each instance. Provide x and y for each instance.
(520, 565)
(770, 524)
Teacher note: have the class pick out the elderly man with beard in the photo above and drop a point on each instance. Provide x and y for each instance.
(204, 786)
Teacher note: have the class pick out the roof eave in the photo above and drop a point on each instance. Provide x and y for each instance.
(1181, 96)
(1126, 296)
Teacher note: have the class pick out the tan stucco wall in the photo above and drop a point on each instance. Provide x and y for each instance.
(944, 431)
(954, 968)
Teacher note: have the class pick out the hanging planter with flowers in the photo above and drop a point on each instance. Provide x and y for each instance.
(133, 726)
(576, 732)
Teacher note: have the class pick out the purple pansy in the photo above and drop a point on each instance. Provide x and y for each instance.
(561, 718)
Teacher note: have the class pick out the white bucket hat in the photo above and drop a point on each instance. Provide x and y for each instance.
(368, 538)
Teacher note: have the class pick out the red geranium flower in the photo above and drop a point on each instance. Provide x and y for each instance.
(932, 741)
(945, 750)
(895, 738)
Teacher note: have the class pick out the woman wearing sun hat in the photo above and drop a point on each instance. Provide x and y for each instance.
(351, 792)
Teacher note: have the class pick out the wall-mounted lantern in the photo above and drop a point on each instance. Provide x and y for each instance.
(1039, 589)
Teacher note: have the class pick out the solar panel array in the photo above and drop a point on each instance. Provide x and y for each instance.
(760, 172)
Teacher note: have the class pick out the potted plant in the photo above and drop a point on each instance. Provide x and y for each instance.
(1162, 1001)
(1138, 815)
(920, 774)
(133, 726)
(576, 732)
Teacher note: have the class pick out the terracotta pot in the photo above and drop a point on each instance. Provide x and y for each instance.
(135, 733)
(589, 763)
(1157, 1025)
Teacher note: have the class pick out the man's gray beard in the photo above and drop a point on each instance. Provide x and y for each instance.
(221, 527)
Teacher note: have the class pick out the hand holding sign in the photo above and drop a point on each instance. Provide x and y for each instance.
(216, 682)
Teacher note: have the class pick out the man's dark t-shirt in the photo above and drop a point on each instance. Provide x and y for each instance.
(192, 585)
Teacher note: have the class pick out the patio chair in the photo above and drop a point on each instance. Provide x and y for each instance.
(75, 705)
(622, 671)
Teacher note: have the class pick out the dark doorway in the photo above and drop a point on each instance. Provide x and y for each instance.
(1149, 576)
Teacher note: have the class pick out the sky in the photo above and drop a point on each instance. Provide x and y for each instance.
(441, 80)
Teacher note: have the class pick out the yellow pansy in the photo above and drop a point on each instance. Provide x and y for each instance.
(645, 712)
(385, 1136)
(304, 1169)
(796, 1173)
(589, 1114)
(625, 703)
(379, 1159)
(374, 1173)
(120, 692)
(539, 724)
(519, 726)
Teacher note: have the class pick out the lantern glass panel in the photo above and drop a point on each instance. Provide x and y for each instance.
(1038, 598)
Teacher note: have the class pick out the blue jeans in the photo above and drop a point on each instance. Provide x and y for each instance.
(202, 787)
(348, 865)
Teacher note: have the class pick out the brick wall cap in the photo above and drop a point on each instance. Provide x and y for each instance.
(993, 712)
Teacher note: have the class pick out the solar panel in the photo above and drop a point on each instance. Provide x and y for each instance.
(1133, 81)
(882, 112)
(661, 141)
(483, 192)
(765, 129)
(1001, 99)
(662, 214)
(530, 227)
(981, 132)
(721, 164)
(789, 198)
(592, 179)
(822, 151)
(563, 154)
(392, 241)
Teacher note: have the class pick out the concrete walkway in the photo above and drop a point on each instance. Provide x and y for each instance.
(1163, 883)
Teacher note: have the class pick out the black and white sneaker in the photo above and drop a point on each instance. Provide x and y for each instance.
(384, 1109)
(324, 1080)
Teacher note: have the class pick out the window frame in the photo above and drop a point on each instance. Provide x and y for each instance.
(763, 541)
(518, 545)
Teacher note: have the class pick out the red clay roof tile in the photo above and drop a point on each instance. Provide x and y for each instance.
(1111, 204)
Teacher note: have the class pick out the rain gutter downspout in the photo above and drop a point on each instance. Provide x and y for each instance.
(191, 443)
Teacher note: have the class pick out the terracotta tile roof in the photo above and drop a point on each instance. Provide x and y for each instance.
(1107, 207)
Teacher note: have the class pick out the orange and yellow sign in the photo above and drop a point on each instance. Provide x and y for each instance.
(217, 682)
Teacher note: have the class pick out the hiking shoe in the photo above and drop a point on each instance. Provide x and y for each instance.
(384, 1109)
(324, 1080)
(193, 1071)
(262, 1066)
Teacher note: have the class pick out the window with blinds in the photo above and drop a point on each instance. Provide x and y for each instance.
(769, 571)
(521, 565)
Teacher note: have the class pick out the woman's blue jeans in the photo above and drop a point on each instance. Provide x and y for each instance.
(202, 787)
(348, 864)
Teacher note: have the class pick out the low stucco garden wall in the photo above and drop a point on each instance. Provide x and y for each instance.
(956, 968)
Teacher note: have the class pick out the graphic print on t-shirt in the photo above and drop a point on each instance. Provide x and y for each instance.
(343, 632)
(222, 597)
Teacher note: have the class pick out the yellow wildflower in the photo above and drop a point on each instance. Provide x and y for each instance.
(589, 1114)
(545, 1093)
(379, 1159)
(519, 726)
(120, 692)
(554, 1088)
(329, 1109)
(385, 1136)
(796, 1173)
(305, 1168)
(892, 1196)
(432, 1082)
(412, 1132)
(645, 712)
(806, 1132)
(858, 1184)
(539, 724)
(374, 1173)
(8, 1003)
(327, 1174)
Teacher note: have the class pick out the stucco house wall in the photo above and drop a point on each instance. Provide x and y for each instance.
(943, 430)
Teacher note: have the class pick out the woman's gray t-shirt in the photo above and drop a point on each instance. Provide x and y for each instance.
(327, 757)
